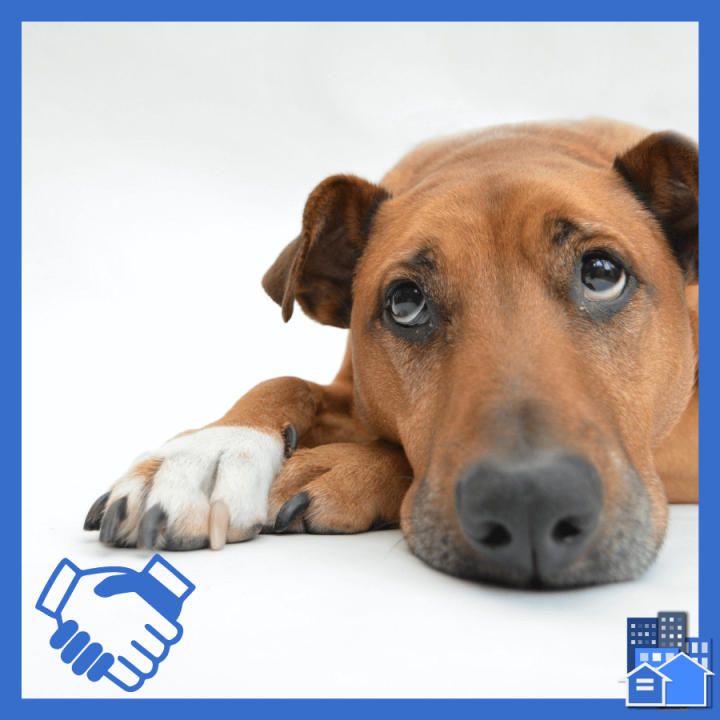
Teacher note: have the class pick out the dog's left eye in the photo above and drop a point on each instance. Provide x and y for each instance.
(602, 277)
(407, 305)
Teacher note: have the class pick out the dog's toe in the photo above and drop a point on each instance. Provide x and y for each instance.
(291, 511)
(151, 532)
(96, 512)
(112, 521)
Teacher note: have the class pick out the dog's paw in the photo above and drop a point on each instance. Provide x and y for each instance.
(339, 489)
(207, 487)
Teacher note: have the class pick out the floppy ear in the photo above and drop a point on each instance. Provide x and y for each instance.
(662, 171)
(317, 267)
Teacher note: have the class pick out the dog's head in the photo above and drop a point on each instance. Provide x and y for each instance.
(519, 326)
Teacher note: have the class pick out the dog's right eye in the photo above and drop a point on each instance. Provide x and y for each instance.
(407, 305)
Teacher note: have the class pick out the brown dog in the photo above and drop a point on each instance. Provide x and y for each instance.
(519, 389)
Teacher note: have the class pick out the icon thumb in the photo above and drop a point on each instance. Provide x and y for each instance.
(117, 584)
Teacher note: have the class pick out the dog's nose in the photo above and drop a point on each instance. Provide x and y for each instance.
(534, 516)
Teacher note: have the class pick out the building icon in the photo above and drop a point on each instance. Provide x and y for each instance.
(641, 633)
(671, 631)
(665, 668)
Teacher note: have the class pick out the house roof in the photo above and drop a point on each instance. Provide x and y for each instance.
(654, 670)
(687, 657)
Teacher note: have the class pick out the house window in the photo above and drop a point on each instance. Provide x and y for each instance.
(644, 656)
(704, 648)
(657, 657)
(703, 662)
(669, 656)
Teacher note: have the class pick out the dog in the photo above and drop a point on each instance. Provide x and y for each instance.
(520, 388)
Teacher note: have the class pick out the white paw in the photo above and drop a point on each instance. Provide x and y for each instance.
(200, 489)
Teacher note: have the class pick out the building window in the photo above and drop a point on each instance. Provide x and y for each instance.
(671, 619)
(679, 644)
(632, 642)
(694, 647)
(653, 642)
(704, 648)
(704, 663)
(644, 656)
(669, 656)
(671, 635)
(663, 636)
(633, 625)
(646, 634)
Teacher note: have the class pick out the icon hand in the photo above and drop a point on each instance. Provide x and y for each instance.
(115, 622)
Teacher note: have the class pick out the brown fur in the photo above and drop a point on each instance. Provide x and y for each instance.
(492, 225)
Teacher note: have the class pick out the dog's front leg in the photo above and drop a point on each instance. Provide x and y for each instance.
(209, 486)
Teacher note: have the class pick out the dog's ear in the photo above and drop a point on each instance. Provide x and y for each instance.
(662, 171)
(317, 267)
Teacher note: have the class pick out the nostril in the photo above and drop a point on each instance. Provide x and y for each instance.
(496, 536)
(566, 530)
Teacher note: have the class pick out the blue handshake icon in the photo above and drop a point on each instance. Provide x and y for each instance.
(115, 622)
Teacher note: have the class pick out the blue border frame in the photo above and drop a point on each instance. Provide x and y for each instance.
(10, 398)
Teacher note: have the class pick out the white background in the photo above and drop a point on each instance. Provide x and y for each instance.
(164, 168)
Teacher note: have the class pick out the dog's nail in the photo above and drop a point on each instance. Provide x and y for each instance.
(112, 520)
(218, 524)
(291, 511)
(152, 527)
(290, 434)
(96, 512)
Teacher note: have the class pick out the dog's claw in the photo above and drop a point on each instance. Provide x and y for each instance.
(218, 524)
(291, 511)
(290, 435)
(96, 512)
(152, 527)
(112, 520)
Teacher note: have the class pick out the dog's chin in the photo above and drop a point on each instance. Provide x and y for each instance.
(624, 547)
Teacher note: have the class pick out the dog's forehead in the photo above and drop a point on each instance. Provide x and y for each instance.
(480, 217)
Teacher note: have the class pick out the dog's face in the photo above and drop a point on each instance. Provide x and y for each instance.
(519, 327)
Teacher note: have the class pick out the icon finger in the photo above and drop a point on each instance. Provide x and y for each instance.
(138, 659)
(63, 634)
(74, 647)
(150, 643)
(100, 668)
(124, 675)
(87, 657)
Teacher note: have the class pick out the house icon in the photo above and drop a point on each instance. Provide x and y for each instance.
(688, 682)
(646, 687)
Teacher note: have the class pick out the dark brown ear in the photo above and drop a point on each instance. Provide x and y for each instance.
(662, 171)
(317, 267)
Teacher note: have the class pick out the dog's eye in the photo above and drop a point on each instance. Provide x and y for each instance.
(602, 277)
(407, 305)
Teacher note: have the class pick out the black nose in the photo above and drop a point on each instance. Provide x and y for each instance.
(534, 516)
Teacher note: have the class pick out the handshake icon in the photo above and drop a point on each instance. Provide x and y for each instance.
(115, 622)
